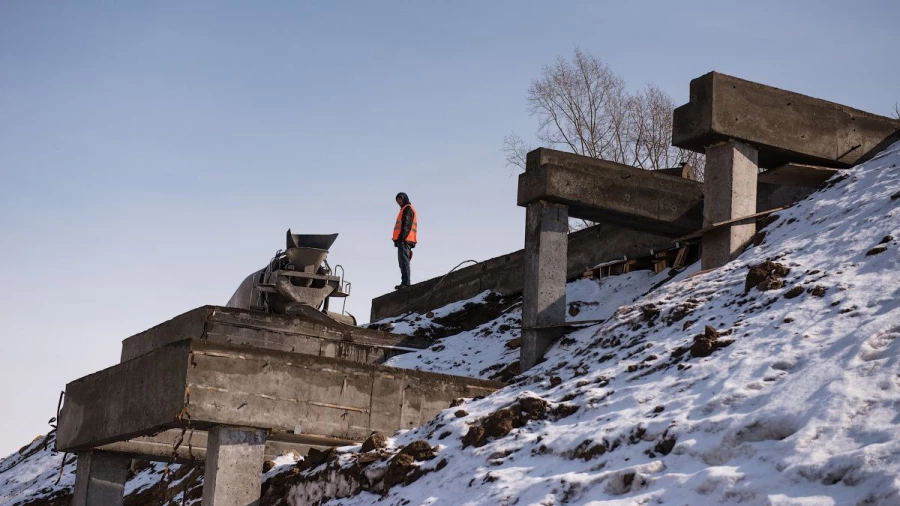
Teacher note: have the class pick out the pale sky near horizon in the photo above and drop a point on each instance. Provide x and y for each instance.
(153, 154)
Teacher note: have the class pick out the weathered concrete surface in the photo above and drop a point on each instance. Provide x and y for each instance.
(771, 196)
(271, 331)
(505, 274)
(789, 183)
(126, 400)
(730, 176)
(233, 471)
(100, 479)
(544, 295)
(797, 174)
(784, 126)
(190, 447)
(223, 384)
(610, 192)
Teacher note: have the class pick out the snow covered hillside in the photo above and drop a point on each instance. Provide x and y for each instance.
(773, 380)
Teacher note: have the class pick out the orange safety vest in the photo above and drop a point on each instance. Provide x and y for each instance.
(412, 231)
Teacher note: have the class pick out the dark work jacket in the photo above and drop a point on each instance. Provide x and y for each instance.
(405, 222)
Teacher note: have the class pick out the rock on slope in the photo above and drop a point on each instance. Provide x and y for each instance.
(773, 380)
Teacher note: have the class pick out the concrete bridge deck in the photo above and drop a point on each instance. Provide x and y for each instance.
(785, 127)
(295, 334)
(609, 192)
(206, 383)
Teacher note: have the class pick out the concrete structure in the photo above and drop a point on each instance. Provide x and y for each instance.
(742, 125)
(291, 333)
(785, 127)
(730, 176)
(104, 479)
(506, 274)
(232, 476)
(205, 384)
(190, 446)
(229, 386)
(609, 192)
(557, 185)
(544, 296)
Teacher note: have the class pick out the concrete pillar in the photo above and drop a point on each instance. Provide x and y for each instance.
(730, 181)
(100, 479)
(234, 463)
(544, 291)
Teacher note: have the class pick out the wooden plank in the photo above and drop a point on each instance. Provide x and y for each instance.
(680, 258)
(732, 221)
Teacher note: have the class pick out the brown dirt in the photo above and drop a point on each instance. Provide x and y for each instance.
(766, 276)
(375, 441)
(469, 317)
(818, 291)
(708, 342)
(499, 423)
(793, 292)
(507, 373)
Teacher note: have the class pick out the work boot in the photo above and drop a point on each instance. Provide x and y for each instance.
(399, 287)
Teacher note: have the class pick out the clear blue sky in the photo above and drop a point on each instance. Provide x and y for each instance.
(152, 154)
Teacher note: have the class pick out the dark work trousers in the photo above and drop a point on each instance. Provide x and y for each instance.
(403, 254)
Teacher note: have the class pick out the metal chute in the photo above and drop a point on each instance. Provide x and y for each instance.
(297, 280)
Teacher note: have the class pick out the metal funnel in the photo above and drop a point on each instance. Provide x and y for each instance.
(318, 241)
(306, 259)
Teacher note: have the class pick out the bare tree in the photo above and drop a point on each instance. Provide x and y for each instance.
(584, 107)
(897, 110)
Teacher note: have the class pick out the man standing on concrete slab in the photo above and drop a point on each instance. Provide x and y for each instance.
(405, 236)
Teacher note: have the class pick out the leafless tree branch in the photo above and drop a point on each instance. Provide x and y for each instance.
(584, 107)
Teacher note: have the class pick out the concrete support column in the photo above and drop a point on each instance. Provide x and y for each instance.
(544, 291)
(234, 462)
(100, 479)
(731, 173)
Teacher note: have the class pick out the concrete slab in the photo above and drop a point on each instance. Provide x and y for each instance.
(505, 274)
(210, 383)
(610, 192)
(785, 126)
(272, 331)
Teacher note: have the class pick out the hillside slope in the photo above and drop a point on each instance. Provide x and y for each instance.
(773, 380)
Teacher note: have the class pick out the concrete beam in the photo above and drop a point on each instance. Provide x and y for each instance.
(192, 450)
(223, 384)
(784, 126)
(797, 174)
(233, 471)
(100, 479)
(730, 175)
(273, 332)
(505, 274)
(136, 398)
(544, 295)
(609, 192)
